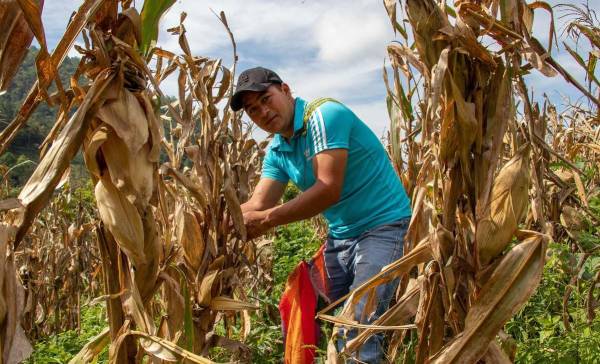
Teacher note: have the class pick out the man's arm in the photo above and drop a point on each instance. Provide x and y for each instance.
(266, 195)
(329, 167)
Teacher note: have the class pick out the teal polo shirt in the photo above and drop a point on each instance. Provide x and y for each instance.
(372, 193)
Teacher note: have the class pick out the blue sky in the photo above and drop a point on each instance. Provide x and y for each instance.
(333, 48)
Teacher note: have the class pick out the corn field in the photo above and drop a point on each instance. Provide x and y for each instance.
(494, 176)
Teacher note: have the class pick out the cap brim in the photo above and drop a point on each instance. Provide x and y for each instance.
(237, 98)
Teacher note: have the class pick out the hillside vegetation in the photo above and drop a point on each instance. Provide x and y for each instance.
(24, 150)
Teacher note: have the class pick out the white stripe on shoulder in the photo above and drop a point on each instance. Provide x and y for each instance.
(316, 136)
(319, 131)
(322, 124)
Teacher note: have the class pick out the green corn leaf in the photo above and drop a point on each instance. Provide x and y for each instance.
(152, 11)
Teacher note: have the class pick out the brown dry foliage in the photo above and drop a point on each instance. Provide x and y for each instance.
(477, 164)
(169, 240)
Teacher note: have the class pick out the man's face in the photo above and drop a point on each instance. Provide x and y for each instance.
(272, 110)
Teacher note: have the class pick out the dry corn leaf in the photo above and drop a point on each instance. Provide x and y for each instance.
(90, 149)
(466, 122)
(192, 186)
(46, 69)
(573, 222)
(235, 210)
(397, 315)
(15, 38)
(147, 272)
(40, 186)
(10, 204)
(85, 12)
(189, 235)
(132, 173)
(508, 204)
(564, 174)
(92, 349)
(205, 290)
(13, 341)
(499, 110)
(495, 355)
(340, 320)
(224, 86)
(593, 146)
(5, 235)
(127, 118)
(464, 34)
(155, 127)
(427, 19)
(510, 286)
(404, 53)
(122, 219)
(171, 349)
(421, 253)
(133, 305)
(437, 82)
(580, 189)
(449, 135)
(539, 62)
(222, 303)
(246, 325)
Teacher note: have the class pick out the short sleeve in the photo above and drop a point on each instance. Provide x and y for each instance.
(271, 169)
(330, 127)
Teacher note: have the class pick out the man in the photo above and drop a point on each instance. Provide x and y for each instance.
(343, 172)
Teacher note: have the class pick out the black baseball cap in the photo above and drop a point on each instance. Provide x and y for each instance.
(253, 79)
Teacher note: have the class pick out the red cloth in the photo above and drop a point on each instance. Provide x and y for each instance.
(298, 307)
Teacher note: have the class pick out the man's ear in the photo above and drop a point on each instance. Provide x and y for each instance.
(286, 89)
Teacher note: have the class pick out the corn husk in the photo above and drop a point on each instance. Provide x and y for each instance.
(508, 205)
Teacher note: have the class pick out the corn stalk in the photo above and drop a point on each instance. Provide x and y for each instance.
(475, 164)
(172, 263)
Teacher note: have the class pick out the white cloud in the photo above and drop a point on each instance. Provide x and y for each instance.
(266, 23)
(334, 49)
(330, 48)
(345, 35)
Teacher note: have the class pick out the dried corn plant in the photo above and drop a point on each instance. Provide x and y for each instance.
(59, 266)
(172, 263)
(475, 153)
(472, 151)
(15, 38)
(212, 164)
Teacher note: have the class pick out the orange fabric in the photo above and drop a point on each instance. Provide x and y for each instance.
(297, 307)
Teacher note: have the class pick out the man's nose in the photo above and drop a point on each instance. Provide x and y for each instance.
(263, 110)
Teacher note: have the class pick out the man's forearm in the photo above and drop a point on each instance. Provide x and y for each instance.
(306, 205)
(249, 206)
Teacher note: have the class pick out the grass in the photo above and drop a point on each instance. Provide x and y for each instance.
(62, 347)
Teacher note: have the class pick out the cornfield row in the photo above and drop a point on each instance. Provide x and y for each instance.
(493, 175)
(479, 159)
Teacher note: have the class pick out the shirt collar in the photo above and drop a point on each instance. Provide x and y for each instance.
(279, 142)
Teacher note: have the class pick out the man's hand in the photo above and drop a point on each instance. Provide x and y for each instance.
(256, 223)
(329, 167)
(261, 212)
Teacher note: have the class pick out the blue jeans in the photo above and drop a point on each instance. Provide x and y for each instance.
(350, 262)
